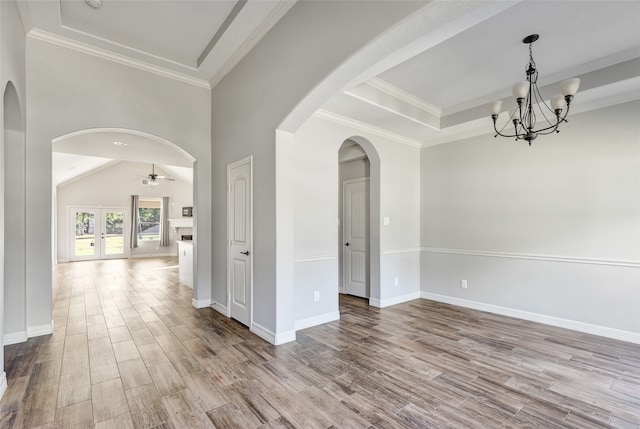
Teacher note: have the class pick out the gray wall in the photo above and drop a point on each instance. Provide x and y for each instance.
(12, 69)
(250, 103)
(71, 91)
(552, 229)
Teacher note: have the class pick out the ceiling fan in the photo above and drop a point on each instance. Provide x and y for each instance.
(154, 179)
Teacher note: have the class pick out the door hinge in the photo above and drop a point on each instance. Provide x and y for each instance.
(229, 188)
(229, 243)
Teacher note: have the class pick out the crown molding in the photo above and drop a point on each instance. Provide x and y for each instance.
(64, 42)
(394, 91)
(343, 120)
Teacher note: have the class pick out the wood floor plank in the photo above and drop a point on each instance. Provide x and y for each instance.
(108, 400)
(147, 408)
(166, 379)
(129, 350)
(133, 373)
(77, 416)
(74, 387)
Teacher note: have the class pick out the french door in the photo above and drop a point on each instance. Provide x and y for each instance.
(98, 233)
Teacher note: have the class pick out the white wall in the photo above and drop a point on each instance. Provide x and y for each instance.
(568, 208)
(113, 187)
(71, 91)
(316, 214)
(12, 69)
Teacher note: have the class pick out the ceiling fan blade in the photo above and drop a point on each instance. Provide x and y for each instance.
(165, 178)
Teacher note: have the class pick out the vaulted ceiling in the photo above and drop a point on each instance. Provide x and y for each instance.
(438, 92)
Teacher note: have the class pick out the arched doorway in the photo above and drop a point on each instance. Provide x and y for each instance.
(13, 220)
(359, 209)
(82, 204)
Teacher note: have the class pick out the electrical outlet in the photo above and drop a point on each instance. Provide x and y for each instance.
(316, 296)
(395, 281)
(463, 284)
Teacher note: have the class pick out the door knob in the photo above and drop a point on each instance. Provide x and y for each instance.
(346, 244)
(245, 253)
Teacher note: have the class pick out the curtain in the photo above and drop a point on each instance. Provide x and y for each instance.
(164, 220)
(134, 220)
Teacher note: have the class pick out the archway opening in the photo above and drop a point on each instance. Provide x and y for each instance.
(96, 172)
(359, 210)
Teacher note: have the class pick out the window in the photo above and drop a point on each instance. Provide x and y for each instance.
(149, 211)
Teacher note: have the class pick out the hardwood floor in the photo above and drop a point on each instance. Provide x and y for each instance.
(129, 351)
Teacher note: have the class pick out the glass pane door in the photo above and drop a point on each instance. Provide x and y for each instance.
(98, 233)
(113, 237)
(84, 245)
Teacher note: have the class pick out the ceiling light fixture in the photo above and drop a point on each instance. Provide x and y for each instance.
(96, 4)
(119, 143)
(527, 95)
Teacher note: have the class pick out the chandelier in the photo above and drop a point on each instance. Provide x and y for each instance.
(531, 104)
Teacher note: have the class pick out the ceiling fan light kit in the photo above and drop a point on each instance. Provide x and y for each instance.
(153, 179)
(530, 104)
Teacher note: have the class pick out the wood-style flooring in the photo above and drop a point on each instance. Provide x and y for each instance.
(129, 351)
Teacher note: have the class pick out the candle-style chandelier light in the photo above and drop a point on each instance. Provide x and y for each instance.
(531, 104)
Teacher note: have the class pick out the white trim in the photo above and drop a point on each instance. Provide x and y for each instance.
(231, 166)
(36, 331)
(317, 320)
(617, 334)
(315, 258)
(272, 337)
(150, 255)
(222, 309)
(3, 378)
(64, 42)
(63, 261)
(386, 302)
(406, 250)
(395, 92)
(352, 123)
(568, 259)
(15, 338)
(200, 303)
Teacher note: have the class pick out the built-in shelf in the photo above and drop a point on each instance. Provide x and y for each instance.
(186, 222)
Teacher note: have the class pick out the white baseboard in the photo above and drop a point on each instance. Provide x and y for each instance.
(36, 331)
(151, 255)
(3, 383)
(603, 331)
(272, 337)
(63, 261)
(201, 303)
(220, 308)
(386, 302)
(15, 338)
(317, 320)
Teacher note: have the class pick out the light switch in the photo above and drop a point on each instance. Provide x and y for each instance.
(385, 221)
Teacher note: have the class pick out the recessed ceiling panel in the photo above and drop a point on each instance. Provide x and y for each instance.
(490, 57)
(178, 31)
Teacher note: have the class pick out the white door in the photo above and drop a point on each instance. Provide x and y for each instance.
(97, 233)
(239, 215)
(356, 237)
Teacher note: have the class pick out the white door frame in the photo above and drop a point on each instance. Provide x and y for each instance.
(231, 166)
(99, 211)
(343, 288)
